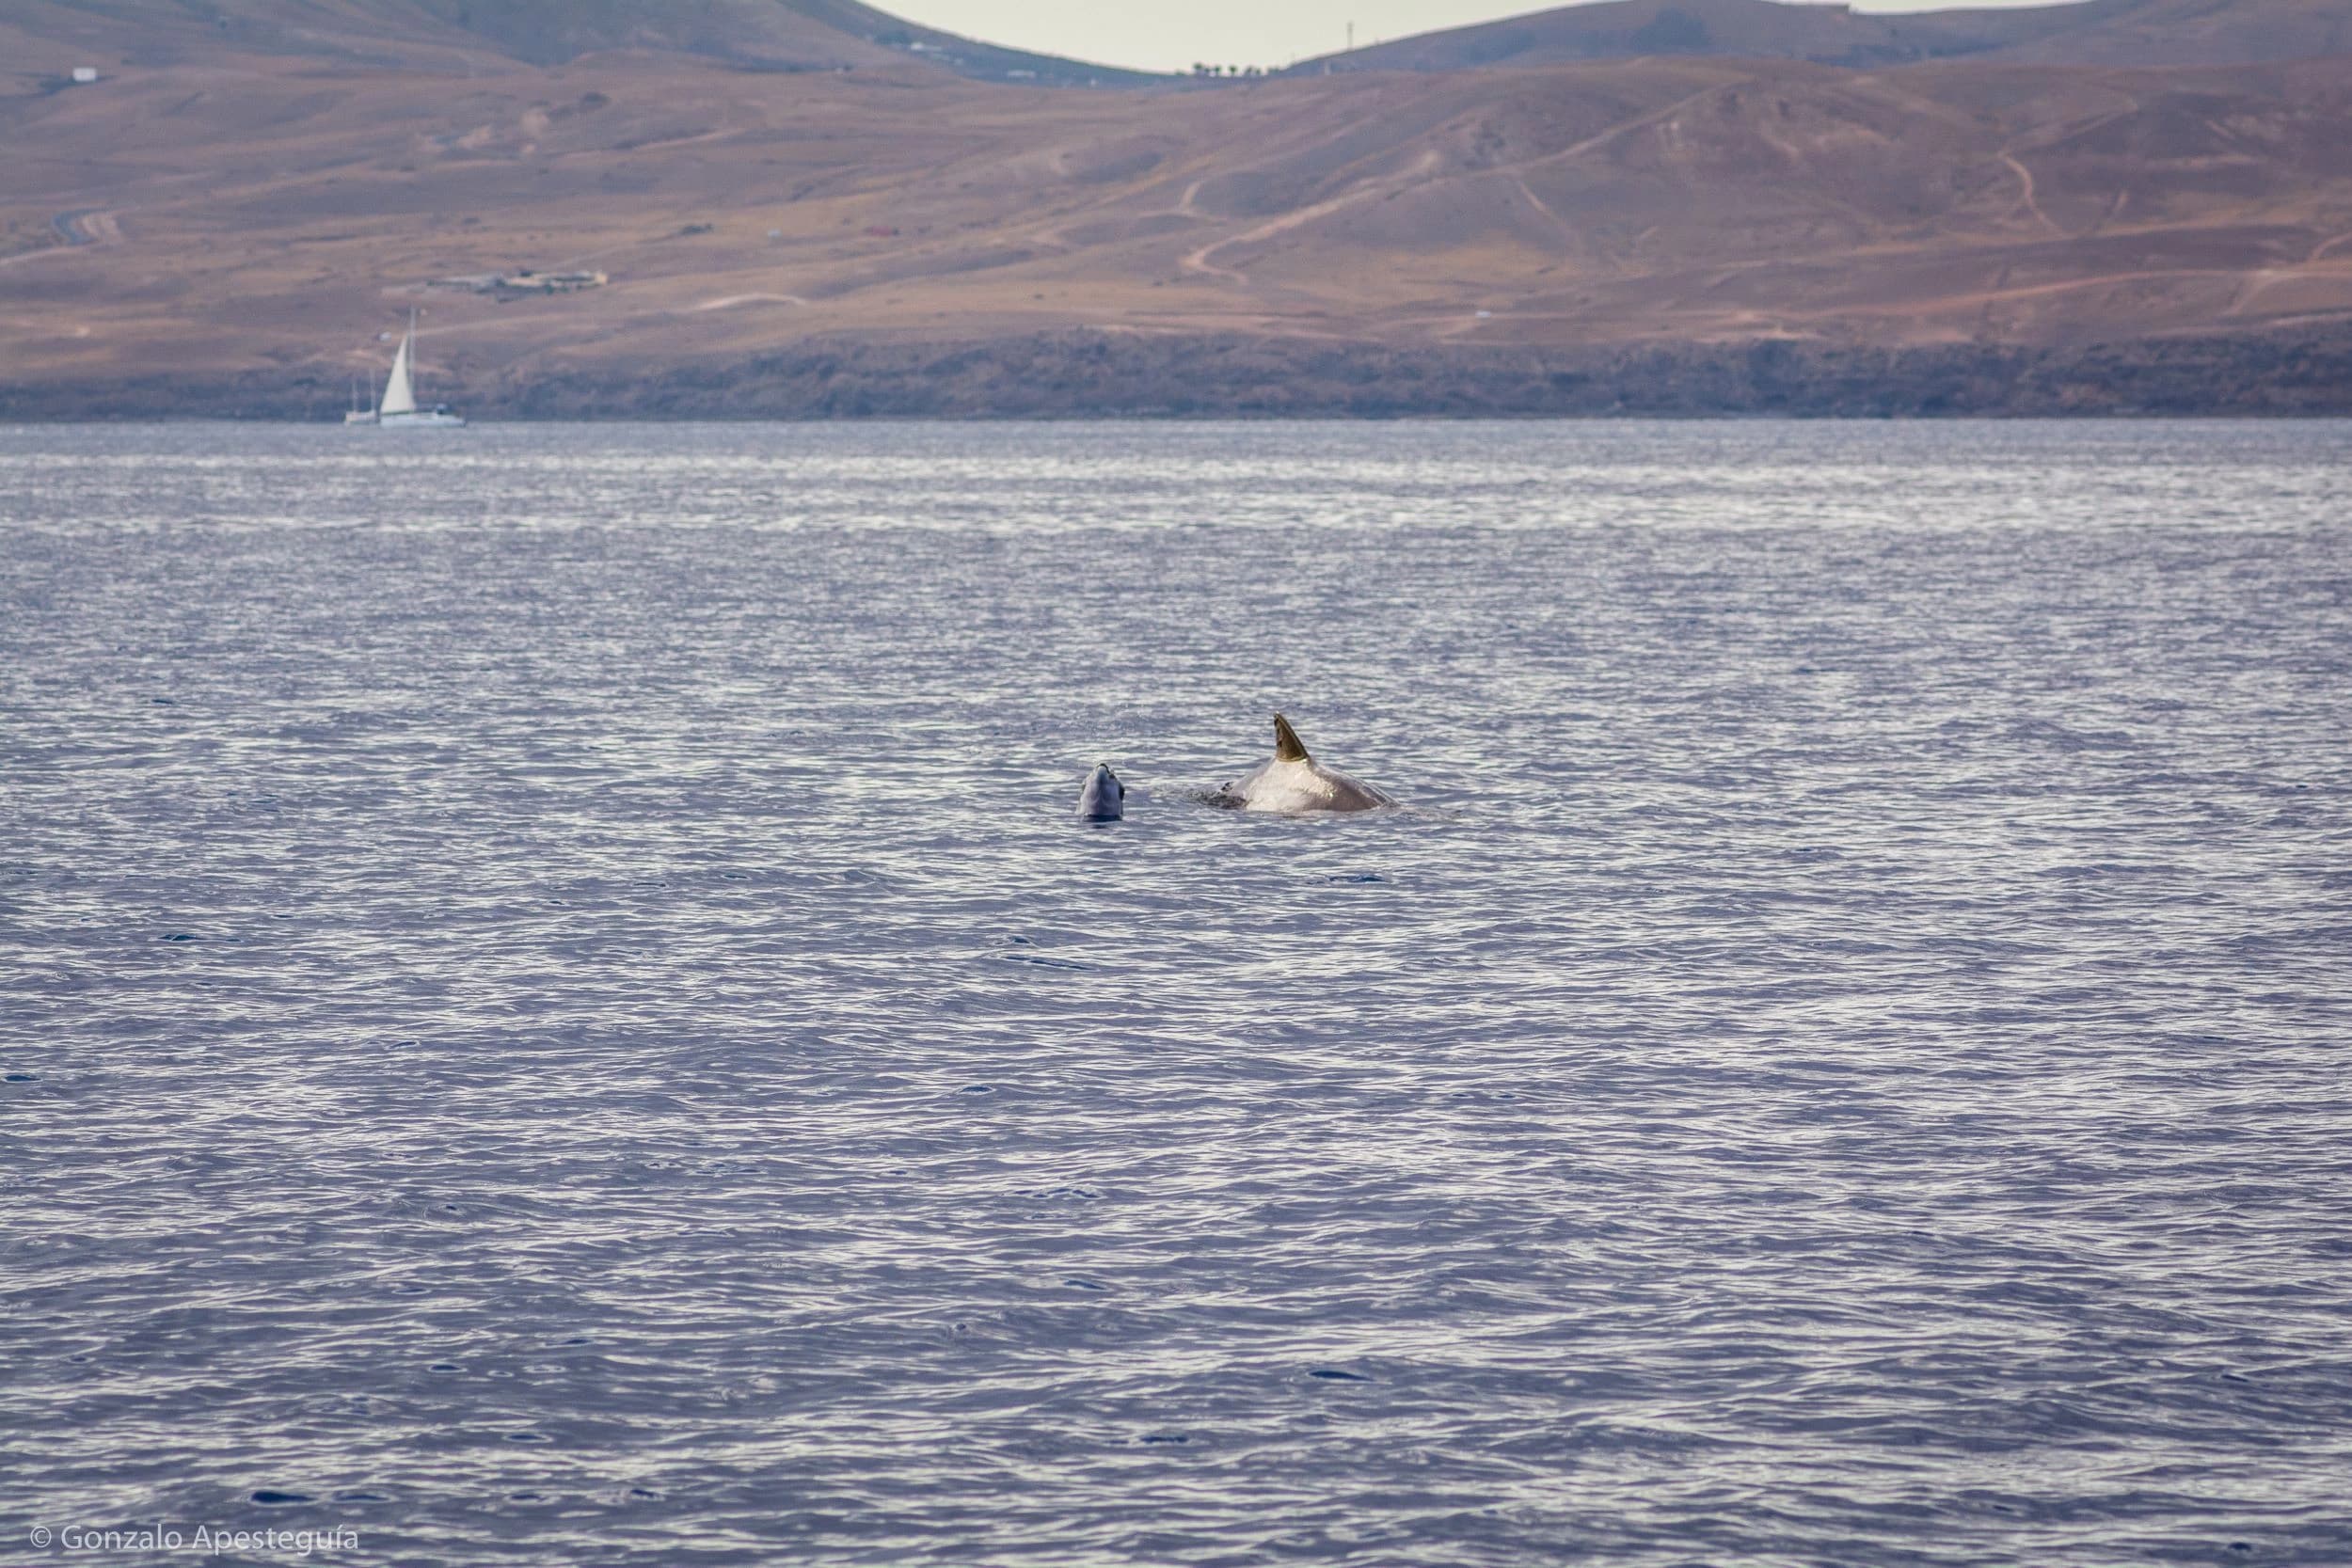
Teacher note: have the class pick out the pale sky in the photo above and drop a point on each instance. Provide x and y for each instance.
(1171, 35)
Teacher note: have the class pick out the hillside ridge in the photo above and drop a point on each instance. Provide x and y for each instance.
(656, 215)
(2084, 32)
(465, 35)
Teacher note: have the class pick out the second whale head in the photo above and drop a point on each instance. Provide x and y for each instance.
(1104, 798)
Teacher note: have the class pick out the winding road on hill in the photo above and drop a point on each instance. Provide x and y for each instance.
(81, 227)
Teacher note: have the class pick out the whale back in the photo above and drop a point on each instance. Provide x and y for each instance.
(1294, 782)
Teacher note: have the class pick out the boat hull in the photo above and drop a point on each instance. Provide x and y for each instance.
(424, 420)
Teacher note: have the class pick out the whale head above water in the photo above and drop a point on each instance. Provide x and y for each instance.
(1294, 781)
(1104, 798)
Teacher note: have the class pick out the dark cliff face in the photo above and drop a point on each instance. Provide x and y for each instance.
(1093, 375)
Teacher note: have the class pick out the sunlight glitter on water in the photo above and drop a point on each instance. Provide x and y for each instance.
(556, 1008)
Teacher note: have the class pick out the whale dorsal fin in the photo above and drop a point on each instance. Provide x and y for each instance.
(1287, 746)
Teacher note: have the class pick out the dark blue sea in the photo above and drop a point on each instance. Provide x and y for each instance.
(553, 1007)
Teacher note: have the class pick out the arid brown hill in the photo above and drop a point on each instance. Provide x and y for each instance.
(2092, 32)
(227, 223)
(763, 35)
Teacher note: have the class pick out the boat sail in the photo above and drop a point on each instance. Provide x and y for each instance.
(398, 406)
(400, 390)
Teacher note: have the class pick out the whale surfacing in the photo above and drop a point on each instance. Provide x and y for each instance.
(1294, 781)
(1104, 798)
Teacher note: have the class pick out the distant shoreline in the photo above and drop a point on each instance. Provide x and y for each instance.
(1085, 374)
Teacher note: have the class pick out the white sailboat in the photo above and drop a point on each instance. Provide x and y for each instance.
(398, 406)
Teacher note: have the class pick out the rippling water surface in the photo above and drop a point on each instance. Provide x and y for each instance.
(555, 1009)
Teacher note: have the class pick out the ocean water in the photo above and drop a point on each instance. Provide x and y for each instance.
(553, 1008)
